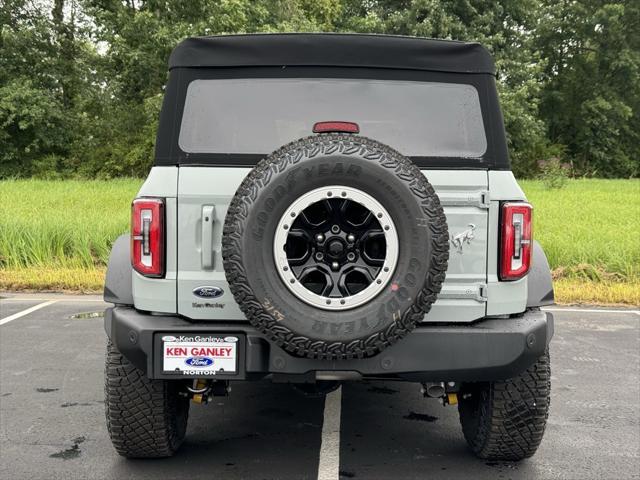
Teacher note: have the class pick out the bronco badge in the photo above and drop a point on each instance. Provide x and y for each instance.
(208, 292)
(460, 239)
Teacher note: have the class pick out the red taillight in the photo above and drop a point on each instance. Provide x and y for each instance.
(147, 236)
(515, 240)
(336, 127)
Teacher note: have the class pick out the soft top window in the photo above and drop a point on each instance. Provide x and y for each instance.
(258, 115)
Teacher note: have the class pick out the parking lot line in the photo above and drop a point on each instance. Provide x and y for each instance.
(590, 310)
(57, 298)
(329, 463)
(26, 312)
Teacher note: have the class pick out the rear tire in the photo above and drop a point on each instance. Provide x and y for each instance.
(506, 420)
(145, 418)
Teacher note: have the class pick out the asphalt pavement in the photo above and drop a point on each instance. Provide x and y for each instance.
(52, 412)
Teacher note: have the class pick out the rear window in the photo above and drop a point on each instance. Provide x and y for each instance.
(257, 116)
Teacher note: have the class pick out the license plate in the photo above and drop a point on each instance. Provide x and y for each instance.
(199, 354)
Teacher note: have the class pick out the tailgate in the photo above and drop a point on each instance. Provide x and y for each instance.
(204, 194)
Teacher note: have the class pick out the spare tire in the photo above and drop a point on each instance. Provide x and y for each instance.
(335, 246)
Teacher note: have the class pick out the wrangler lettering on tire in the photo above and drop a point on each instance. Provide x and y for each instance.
(335, 246)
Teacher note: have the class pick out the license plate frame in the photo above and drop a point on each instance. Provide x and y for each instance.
(208, 346)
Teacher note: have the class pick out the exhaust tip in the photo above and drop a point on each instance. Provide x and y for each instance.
(434, 390)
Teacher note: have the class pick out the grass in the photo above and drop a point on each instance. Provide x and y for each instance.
(56, 235)
(578, 291)
(57, 279)
(590, 229)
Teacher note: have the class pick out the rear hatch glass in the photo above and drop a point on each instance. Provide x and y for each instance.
(258, 115)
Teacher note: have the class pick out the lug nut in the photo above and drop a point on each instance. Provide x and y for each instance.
(319, 238)
(351, 238)
(351, 256)
(319, 256)
(335, 229)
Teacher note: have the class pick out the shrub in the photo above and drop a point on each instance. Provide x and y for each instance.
(553, 173)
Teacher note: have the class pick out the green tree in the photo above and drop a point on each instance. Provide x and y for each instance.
(81, 80)
(46, 64)
(591, 94)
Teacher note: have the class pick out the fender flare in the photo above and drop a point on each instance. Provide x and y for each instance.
(117, 285)
(539, 283)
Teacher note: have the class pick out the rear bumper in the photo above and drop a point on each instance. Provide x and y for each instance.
(491, 349)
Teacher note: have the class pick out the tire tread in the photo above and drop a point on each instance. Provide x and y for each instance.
(145, 418)
(510, 416)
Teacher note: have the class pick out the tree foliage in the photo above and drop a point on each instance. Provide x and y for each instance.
(591, 100)
(81, 81)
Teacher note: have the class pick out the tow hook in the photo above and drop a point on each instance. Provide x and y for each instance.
(204, 390)
(446, 393)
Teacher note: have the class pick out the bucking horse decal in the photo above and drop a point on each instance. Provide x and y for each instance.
(464, 237)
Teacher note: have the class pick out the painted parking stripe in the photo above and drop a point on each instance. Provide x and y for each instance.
(329, 463)
(26, 312)
(59, 299)
(590, 310)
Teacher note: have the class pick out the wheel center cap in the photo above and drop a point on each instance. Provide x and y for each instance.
(336, 248)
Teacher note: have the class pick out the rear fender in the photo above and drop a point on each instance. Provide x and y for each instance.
(539, 283)
(117, 287)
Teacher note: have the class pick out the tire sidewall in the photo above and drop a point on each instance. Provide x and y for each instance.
(344, 325)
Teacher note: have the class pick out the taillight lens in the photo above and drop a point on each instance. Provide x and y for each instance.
(147, 236)
(515, 241)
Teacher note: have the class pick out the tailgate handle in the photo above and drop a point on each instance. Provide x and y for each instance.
(207, 236)
(476, 292)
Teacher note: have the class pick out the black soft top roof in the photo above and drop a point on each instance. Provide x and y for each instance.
(332, 50)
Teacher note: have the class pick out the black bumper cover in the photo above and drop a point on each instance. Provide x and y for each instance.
(491, 349)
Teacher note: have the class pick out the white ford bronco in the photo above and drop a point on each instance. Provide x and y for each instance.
(327, 208)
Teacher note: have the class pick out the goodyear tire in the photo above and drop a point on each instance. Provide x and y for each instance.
(505, 420)
(365, 246)
(145, 418)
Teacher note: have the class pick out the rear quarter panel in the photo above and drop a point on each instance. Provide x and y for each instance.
(159, 294)
(503, 297)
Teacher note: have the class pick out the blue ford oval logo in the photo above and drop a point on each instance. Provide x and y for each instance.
(199, 362)
(208, 292)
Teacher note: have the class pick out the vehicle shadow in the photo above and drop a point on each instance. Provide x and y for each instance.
(261, 430)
